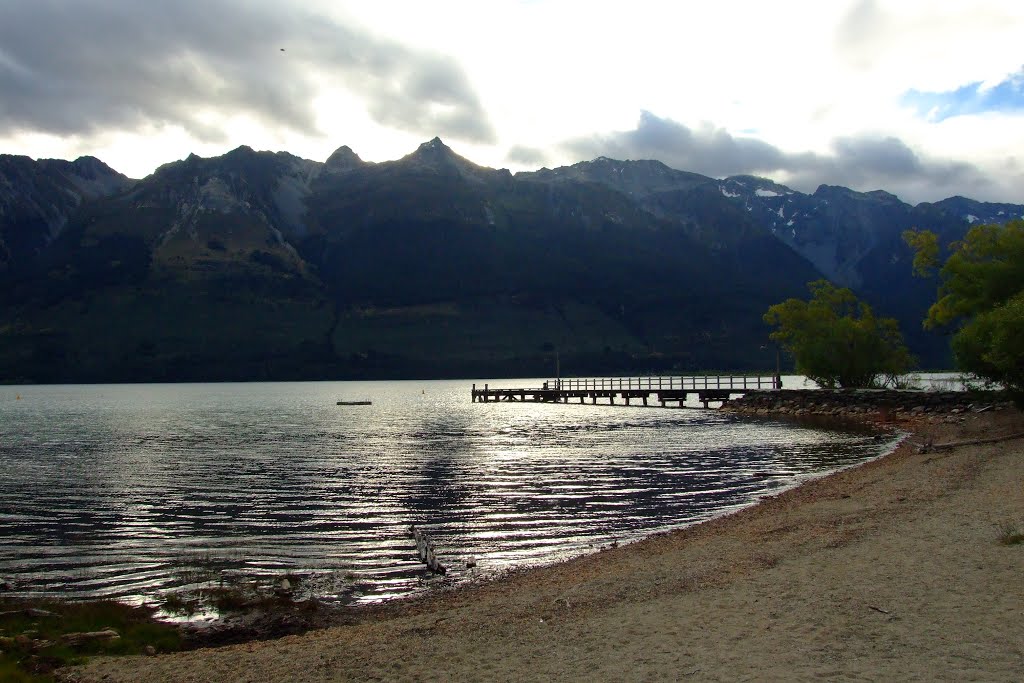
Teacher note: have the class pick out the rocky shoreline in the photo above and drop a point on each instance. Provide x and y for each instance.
(884, 407)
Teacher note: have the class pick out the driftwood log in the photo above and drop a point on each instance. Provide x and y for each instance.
(425, 550)
(977, 442)
(88, 636)
(928, 446)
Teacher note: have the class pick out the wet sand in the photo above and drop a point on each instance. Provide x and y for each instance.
(891, 570)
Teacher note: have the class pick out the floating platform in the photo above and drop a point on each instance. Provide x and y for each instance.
(667, 391)
(355, 403)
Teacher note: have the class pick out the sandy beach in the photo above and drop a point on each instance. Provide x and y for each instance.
(892, 570)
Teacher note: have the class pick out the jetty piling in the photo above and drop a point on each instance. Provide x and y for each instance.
(425, 550)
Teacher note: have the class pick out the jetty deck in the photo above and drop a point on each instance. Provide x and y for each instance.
(668, 391)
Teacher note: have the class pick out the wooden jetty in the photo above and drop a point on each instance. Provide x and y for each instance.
(664, 390)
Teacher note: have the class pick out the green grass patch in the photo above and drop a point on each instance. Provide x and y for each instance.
(217, 585)
(33, 635)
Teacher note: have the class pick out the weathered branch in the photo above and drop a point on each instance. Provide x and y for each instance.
(973, 442)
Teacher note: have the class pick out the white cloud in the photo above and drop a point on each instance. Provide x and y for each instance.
(509, 82)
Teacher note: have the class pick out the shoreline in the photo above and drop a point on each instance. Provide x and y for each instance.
(887, 569)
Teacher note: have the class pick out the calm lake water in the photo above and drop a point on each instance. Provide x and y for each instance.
(131, 491)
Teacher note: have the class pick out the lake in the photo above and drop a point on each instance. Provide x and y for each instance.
(132, 491)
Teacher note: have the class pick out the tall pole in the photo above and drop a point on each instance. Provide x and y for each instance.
(558, 372)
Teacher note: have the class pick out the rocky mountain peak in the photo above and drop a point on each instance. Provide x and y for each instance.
(95, 179)
(434, 143)
(243, 155)
(827, 191)
(437, 157)
(342, 159)
(883, 195)
(433, 152)
(91, 167)
(637, 178)
(964, 210)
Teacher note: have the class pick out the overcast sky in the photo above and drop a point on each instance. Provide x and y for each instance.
(924, 99)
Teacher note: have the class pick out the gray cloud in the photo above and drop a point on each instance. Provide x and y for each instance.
(77, 68)
(870, 162)
(859, 162)
(709, 150)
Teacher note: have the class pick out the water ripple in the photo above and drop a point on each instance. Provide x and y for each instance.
(130, 491)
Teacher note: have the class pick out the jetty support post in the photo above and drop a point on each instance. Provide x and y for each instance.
(425, 550)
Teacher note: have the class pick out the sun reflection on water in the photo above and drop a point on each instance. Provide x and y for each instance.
(134, 491)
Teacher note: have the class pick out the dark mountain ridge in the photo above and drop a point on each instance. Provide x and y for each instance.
(265, 265)
(37, 198)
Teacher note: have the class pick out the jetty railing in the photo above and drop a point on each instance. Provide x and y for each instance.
(669, 383)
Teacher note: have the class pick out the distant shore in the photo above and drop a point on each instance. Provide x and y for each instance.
(891, 570)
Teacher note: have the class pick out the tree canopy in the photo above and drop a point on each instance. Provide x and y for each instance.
(981, 291)
(836, 340)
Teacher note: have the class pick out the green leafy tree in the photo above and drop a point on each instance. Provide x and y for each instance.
(981, 292)
(836, 340)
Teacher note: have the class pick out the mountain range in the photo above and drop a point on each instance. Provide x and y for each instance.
(260, 265)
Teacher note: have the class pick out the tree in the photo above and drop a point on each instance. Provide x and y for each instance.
(981, 293)
(836, 340)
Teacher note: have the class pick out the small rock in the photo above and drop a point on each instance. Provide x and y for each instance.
(286, 585)
(149, 650)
